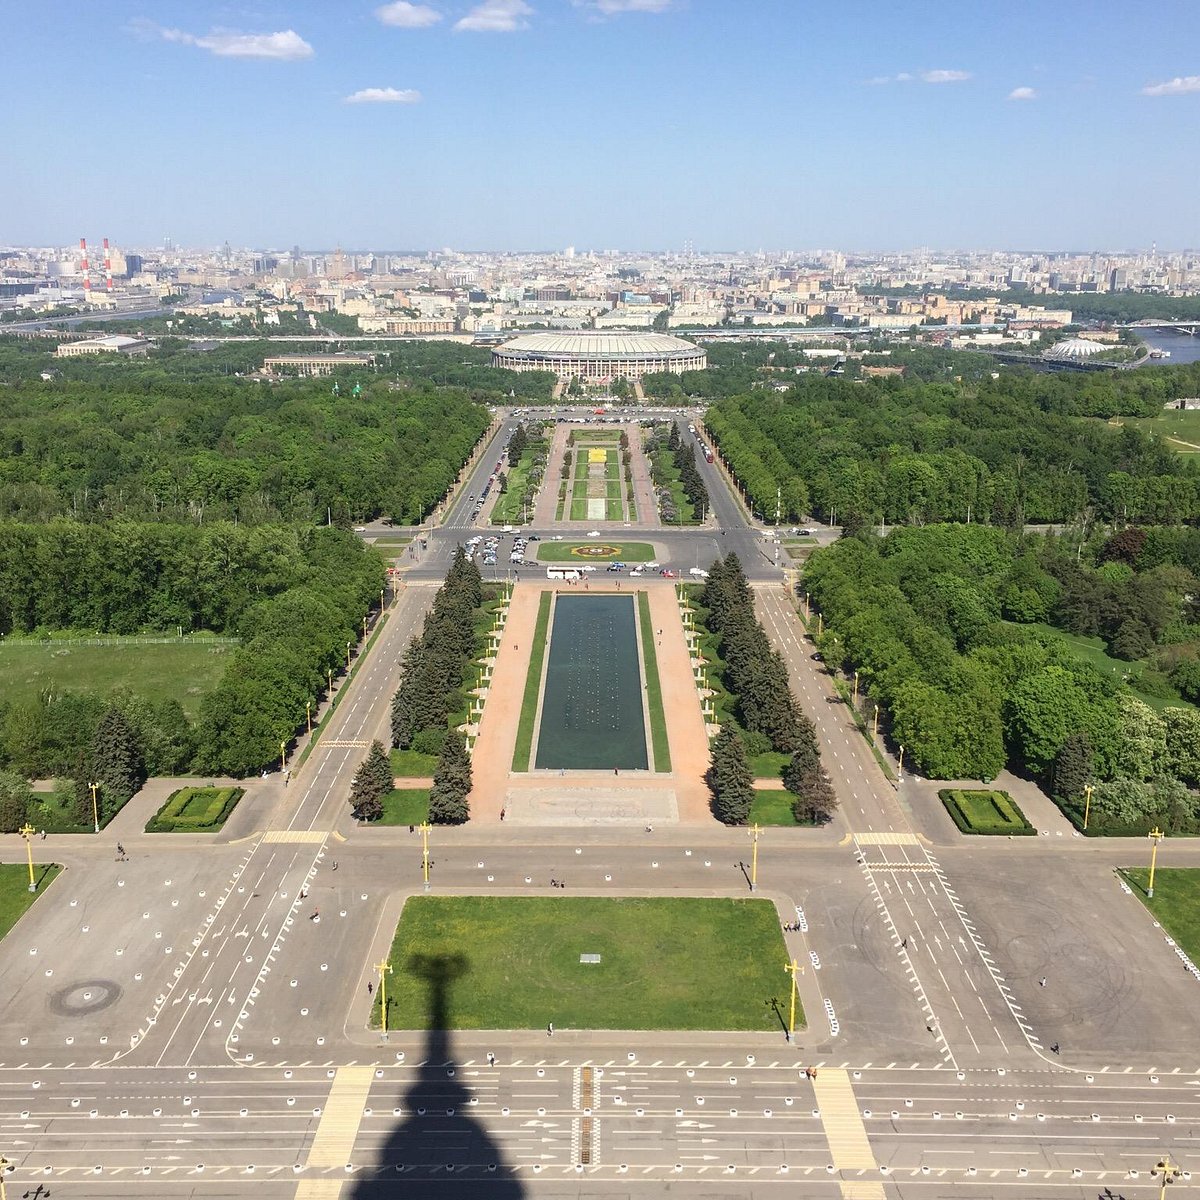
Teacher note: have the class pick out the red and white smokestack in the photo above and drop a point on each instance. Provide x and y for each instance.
(83, 266)
(107, 268)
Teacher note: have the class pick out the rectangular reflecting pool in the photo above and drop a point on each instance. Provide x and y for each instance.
(592, 700)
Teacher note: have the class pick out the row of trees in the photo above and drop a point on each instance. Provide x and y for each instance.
(434, 666)
(684, 453)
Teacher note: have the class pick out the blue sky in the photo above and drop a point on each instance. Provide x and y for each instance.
(530, 124)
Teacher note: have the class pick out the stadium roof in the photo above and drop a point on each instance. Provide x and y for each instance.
(599, 344)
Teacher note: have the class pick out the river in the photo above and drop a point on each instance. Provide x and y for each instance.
(1183, 349)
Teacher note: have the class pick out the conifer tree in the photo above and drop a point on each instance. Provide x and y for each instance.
(117, 763)
(448, 803)
(372, 781)
(730, 779)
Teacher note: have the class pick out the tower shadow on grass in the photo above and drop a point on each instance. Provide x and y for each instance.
(439, 1150)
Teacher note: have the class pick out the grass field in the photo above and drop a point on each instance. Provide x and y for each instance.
(658, 718)
(630, 552)
(1176, 902)
(772, 806)
(769, 765)
(1181, 425)
(513, 963)
(1092, 650)
(533, 684)
(405, 806)
(15, 896)
(412, 764)
(195, 810)
(183, 671)
(507, 509)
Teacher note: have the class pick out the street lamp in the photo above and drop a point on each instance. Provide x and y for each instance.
(385, 969)
(308, 713)
(900, 766)
(1156, 835)
(1166, 1172)
(792, 968)
(755, 830)
(425, 853)
(329, 677)
(27, 831)
(282, 754)
(95, 807)
(1088, 789)
(349, 643)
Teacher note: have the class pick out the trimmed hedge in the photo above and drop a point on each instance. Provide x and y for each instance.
(985, 812)
(195, 810)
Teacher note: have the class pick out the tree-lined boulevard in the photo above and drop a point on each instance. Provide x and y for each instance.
(194, 1021)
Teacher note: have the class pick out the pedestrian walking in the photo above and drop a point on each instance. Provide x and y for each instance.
(316, 915)
(491, 1059)
(550, 1029)
(333, 865)
(1054, 1048)
(904, 944)
(370, 987)
(120, 853)
(1042, 981)
(503, 813)
(43, 835)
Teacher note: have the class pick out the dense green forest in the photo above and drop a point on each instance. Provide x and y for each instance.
(972, 640)
(1007, 451)
(294, 596)
(158, 448)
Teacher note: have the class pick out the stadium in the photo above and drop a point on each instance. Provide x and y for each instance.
(599, 356)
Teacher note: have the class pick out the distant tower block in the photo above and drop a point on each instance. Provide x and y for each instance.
(107, 268)
(83, 267)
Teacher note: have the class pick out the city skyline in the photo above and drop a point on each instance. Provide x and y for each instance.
(509, 125)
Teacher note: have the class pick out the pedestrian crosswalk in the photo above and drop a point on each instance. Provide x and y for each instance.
(294, 835)
(887, 838)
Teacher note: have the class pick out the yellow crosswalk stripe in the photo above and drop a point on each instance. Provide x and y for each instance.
(318, 1189)
(334, 1139)
(294, 835)
(887, 839)
(844, 1128)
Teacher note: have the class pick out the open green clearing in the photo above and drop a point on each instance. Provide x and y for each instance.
(195, 810)
(412, 764)
(1183, 424)
(513, 963)
(772, 806)
(1093, 650)
(533, 684)
(986, 812)
(185, 670)
(405, 806)
(769, 764)
(658, 718)
(507, 509)
(15, 896)
(634, 552)
(1175, 904)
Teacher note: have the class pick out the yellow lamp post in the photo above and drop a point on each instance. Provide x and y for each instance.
(94, 787)
(792, 969)
(425, 853)
(385, 969)
(382, 594)
(1087, 803)
(875, 723)
(329, 677)
(755, 830)
(1156, 835)
(364, 627)
(349, 643)
(1166, 1172)
(27, 831)
(900, 765)
(854, 697)
(308, 714)
(820, 622)
(282, 755)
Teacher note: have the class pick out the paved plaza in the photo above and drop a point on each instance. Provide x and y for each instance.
(194, 1021)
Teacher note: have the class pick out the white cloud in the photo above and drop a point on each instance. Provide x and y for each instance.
(945, 76)
(1181, 85)
(225, 43)
(496, 16)
(388, 95)
(1023, 93)
(404, 15)
(610, 8)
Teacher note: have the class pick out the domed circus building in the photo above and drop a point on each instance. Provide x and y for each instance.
(600, 355)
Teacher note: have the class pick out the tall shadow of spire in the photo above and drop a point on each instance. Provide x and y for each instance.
(439, 1150)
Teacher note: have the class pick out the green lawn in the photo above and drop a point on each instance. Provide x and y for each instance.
(1176, 902)
(654, 701)
(15, 896)
(769, 765)
(412, 764)
(513, 963)
(195, 810)
(533, 684)
(405, 806)
(184, 670)
(1183, 425)
(772, 806)
(633, 552)
(507, 509)
(982, 811)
